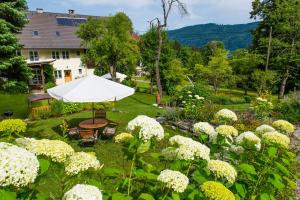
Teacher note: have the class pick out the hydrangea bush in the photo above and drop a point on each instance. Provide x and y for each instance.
(12, 126)
(212, 163)
(18, 167)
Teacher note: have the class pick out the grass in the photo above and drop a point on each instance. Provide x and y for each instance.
(17, 103)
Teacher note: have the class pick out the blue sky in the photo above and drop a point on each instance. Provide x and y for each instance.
(142, 11)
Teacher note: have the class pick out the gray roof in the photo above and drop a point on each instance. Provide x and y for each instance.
(48, 24)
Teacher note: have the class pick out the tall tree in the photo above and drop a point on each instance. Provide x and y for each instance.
(278, 36)
(109, 44)
(217, 70)
(167, 6)
(12, 20)
(148, 48)
(243, 65)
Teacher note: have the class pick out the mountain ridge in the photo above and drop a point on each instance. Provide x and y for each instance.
(234, 36)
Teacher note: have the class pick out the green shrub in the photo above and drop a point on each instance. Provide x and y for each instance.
(289, 108)
(226, 100)
(49, 85)
(12, 126)
(14, 87)
(70, 108)
(262, 108)
(57, 108)
(248, 99)
(129, 83)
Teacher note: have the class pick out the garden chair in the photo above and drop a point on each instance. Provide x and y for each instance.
(88, 137)
(100, 114)
(74, 133)
(110, 130)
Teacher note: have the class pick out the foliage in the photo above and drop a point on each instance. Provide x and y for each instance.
(279, 27)
(14, 87)
(109, 44)
(289, 108)
(226, 100)
(174, 75)
(262, 108)
(217, 70)
(49, 73)
(69, 108)
(129, 82)
(148, 46)
(12, 126)
(57, 108)
(243, 65)
(49, 85)
(233, 36)
(268, 172)
(264, 81)
(12, 20)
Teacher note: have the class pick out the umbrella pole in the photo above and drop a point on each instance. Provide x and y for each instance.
(93, 113)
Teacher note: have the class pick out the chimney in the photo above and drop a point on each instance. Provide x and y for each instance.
(71, 12)
(39, 10)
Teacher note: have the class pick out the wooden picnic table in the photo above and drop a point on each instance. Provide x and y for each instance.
(98, 123)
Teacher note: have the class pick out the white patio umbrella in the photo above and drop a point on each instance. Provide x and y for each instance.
(90, 89)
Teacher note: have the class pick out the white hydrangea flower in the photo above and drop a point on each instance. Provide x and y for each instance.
(57, 150)
(148, 128)
(206, 128)
(81, 161)
(277, 138)
(174, 180)
(222, 169)
(226, 114)
(249, 138)
(227, 131)
(18, 167)
(170, 153)
(83, 192)
(284, 126)
(188, 149)
(263, 129)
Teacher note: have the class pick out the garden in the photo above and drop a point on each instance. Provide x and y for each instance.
(224, 154)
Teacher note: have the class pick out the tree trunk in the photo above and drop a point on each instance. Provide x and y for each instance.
(157, 61)
(113, 73)
(283, 84)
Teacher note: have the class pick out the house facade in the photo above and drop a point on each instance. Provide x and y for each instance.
(50, 39)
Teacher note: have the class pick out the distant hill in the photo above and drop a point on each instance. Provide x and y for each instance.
(234, 36)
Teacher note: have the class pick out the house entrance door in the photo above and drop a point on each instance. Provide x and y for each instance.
(68, 76)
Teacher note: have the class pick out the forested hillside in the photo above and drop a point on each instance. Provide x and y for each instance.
(233, 36)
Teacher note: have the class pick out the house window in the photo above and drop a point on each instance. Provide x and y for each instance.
(80, 71)
(18, 53)
(57, 33)
(34, 55)
(65, 54)
(35, 33)
(78, 53)
(57, 74)
(55, 54)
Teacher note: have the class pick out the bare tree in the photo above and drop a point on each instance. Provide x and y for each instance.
(167, 6)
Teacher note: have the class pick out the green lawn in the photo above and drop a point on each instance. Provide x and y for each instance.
(16, 103)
